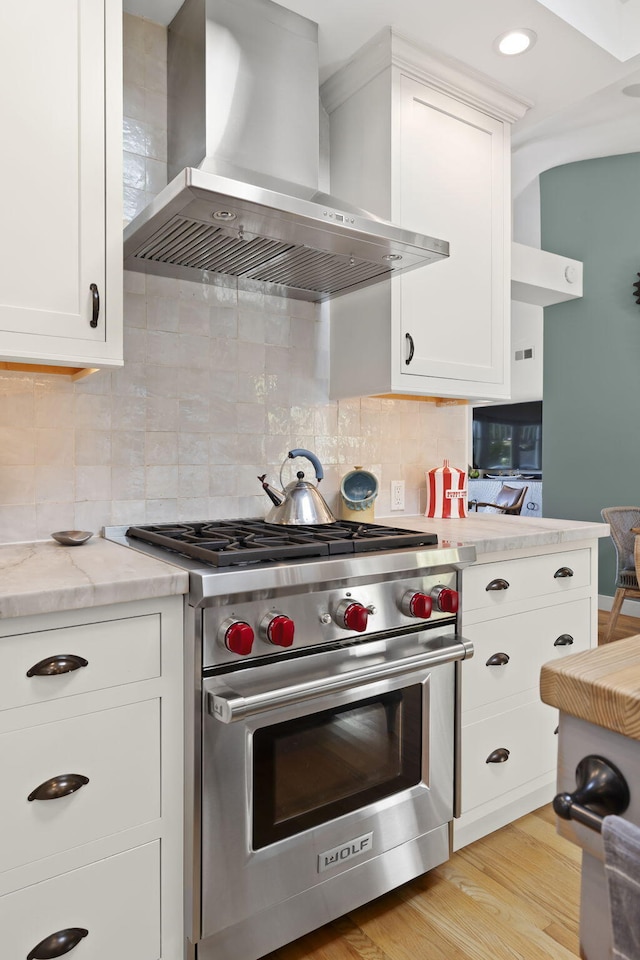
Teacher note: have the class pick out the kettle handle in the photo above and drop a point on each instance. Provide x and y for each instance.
(317, 466)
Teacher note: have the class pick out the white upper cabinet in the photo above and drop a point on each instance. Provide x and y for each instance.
(417, 142)
(60, 189)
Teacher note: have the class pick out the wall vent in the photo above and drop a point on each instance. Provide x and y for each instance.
(525, 354)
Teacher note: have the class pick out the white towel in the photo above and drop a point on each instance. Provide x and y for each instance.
(621, 841)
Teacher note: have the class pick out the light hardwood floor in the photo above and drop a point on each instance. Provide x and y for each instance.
(625, 627)
(513, 895)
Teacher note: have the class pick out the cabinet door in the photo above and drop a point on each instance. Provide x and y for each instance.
(452, 179)
(109, 909)
(52, 191)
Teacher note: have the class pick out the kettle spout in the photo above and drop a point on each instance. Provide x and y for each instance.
(273, 495)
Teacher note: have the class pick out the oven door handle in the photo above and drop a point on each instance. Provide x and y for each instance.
(228, 706)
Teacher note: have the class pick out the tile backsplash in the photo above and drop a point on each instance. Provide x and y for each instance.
(218, 385)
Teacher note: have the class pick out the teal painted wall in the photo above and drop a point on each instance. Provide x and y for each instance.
(591, 433)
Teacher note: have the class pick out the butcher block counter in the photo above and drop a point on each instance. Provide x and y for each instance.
(598, 695)
(601, 686)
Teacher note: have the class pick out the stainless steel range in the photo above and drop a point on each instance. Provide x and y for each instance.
(321, 754)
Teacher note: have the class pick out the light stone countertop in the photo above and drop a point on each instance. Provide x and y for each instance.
(44, 576)
(493, 532)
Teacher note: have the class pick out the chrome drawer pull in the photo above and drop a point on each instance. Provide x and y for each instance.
(498, 584)
(60, 786)
(564, 640)
(598, 784)
(563, 572)
(501, 755)
(58, 943)
(59, 663)
(497, 660)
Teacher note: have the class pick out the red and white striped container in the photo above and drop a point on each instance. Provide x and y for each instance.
(446, 492)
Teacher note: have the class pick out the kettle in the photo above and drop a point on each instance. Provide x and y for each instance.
(300, 503)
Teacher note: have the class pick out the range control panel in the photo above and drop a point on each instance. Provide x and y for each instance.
(284, 621)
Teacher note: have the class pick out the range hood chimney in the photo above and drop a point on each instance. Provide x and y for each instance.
(243, 145)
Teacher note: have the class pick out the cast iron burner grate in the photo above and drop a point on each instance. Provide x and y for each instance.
(228, 542)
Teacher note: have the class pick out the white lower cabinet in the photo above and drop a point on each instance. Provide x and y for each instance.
(520, 611)
(91, 810)
(86, 777)
(107, 910)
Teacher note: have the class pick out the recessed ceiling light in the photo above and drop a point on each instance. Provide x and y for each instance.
(633, 90)
(515, 41)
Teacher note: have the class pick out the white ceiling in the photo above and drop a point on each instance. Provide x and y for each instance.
(586, 52)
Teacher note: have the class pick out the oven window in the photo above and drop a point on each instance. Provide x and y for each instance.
(309, 770)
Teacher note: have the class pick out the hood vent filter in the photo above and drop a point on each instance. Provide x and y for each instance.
(200, 246)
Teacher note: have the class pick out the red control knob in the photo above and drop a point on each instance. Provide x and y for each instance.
(280, 631)
(447, 599)
(417, 605)
(238, 637)
(353, 616)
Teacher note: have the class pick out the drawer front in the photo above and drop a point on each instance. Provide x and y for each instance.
(527, 733)
(118, 751)
(509, 651)
(117, 901)
(494, 585)
(93, 656)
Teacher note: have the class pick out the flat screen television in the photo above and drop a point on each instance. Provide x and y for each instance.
(507, 438)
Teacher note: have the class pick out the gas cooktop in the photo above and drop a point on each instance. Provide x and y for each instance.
(225, 543)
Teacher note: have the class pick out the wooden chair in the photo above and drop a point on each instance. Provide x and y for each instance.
(508, 500)
(621, 520)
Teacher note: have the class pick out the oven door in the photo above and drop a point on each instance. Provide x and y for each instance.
(323, 764)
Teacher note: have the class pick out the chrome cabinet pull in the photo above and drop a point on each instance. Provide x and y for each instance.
(58, 943)
(564, 640)
(409, 340)
(59, 663)
(60, 786)
(563, 572)
(95, 309)
(497, 660)
(498, 584)
(601, 790)
(501, 755)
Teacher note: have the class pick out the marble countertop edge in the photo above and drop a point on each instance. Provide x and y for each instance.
(45, 577)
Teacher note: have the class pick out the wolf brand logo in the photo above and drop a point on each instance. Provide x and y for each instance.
(346, 851)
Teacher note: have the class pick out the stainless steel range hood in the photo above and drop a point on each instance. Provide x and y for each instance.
(244, 203)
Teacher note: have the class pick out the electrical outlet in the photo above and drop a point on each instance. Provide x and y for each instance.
(397, 494)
